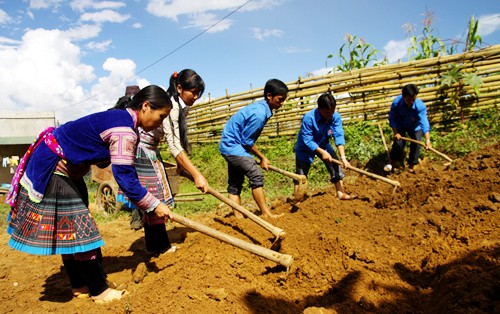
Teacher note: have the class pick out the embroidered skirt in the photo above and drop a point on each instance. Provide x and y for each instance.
(153, 177)
(60, 224)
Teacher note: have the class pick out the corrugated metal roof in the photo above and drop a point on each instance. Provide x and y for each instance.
(16, 140)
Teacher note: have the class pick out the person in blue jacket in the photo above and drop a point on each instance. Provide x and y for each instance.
(408, 117)
(318, 126)
(237, 145)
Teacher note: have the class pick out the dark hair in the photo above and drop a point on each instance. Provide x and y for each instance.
(188, 79)
(152, 93)
(326, 101)
(275, 87)
(410, 90)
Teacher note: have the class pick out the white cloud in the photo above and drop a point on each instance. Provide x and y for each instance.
(44, 72)
(319, 72)
(397, 50)
(206, 9)
(172, 9)
(114, 84)
(261, 4)
(5, 40)
(44, 4)
(488, 24)
(81, 5)
(206, 20)
(83, 32)
(4, 17)
(137, 25)
(30, 15)
(262, 34)
(104, 16)
(99, 46)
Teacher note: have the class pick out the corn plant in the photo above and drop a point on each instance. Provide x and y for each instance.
(428, 45)
(356, 53)
(472, 37)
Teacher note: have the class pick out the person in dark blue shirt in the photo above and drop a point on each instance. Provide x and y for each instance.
(408, 116)
(237, 145)
(318, 126)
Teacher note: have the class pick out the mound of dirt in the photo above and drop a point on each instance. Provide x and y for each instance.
(430, 246)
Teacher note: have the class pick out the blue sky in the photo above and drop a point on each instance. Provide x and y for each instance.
(75, 57)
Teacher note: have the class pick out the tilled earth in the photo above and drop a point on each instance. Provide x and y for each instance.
(430, 246)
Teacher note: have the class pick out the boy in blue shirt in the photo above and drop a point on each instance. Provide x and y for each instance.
(318, 125)
(408, 115)
(238, 143)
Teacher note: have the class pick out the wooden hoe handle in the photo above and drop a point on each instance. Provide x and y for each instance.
(282, 259)
(376, 176)
(277, 232)
(292, 175)
(430, 148)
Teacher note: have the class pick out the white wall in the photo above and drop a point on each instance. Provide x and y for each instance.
(25, 123)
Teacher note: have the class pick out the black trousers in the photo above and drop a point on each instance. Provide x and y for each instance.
(397, 151)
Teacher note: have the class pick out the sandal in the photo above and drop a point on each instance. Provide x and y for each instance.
(109, 295)
(172, 249)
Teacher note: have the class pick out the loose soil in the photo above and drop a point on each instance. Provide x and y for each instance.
(430, 246)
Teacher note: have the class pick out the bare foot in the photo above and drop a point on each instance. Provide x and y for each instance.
(269, 215)
(237, 214)
(347, 197)
(109, 295)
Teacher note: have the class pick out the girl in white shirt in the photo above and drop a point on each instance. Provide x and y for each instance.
(184, 89)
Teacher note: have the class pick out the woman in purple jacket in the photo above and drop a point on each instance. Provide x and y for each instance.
(49, 202)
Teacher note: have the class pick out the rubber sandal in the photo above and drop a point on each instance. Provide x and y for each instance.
(109, 296)
(172, 249)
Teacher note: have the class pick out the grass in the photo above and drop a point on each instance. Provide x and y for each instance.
(364, 148)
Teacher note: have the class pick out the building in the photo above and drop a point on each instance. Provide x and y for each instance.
(18, 130)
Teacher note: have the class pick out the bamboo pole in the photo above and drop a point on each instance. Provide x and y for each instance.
(362, 94)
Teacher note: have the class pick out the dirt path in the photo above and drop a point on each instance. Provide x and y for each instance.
(431, 247)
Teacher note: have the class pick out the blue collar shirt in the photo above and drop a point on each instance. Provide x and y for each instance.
(243, 129)
(316, 132)
(409, 119)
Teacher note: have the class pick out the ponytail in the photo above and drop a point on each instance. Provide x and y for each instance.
(156, 95)
(122, 102)
(188, 80)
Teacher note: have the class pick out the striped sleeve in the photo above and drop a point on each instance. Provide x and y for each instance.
(122, 144)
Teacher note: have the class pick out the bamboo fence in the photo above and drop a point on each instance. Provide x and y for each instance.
(365, 95)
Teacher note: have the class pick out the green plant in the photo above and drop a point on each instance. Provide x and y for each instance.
(361, 138)
(364, 148)
(427, 45)
(472, 37)
(356, 53)
(482, 129)
(452, 85)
